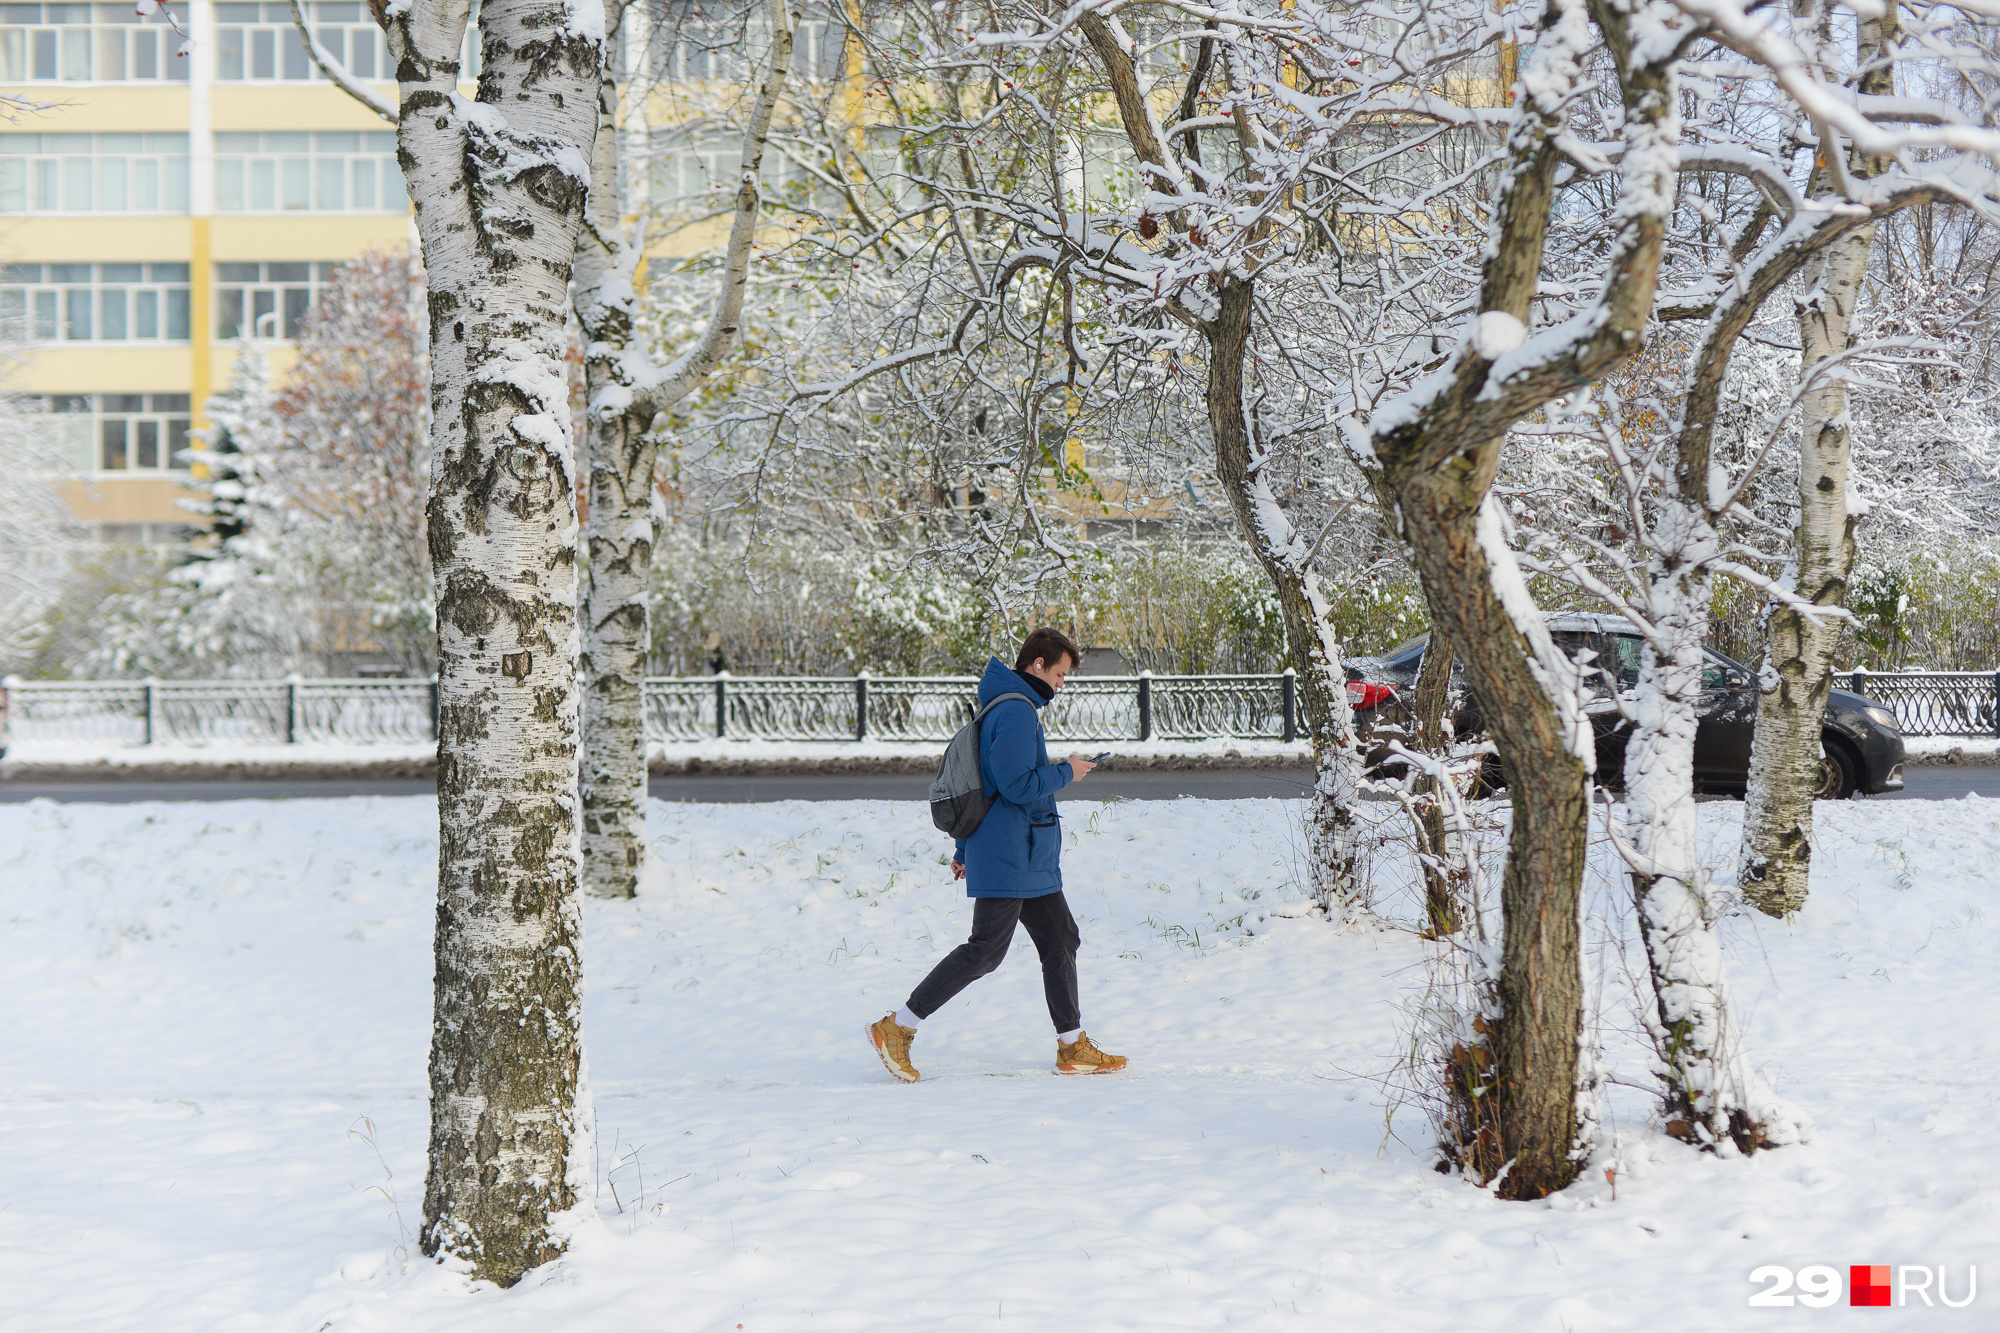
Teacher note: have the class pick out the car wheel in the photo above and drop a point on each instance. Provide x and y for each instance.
(1839, 775)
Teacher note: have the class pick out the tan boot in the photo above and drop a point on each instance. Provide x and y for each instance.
(891, 1041)
(1082, 1057)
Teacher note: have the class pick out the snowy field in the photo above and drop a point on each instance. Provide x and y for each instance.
(220, 1015)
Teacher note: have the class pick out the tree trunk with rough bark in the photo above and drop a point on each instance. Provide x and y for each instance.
(1437, 450)
(1287, 559)
(1239, 459)
(1444, 874)
(499, 186)
(625, 390)
(1455, 532)
(1775, 861)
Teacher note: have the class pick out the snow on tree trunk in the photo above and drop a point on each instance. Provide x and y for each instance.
(625, 390)
(1287, 557)
(1437, 449)
(618, 531)
(1284, 553)
(499, 184)
(1711, 1095)
(1786, 771)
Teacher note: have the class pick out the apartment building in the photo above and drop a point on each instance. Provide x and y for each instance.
(165, 206)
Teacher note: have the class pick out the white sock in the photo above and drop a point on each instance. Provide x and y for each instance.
(906, 1018)
(1069, 1038)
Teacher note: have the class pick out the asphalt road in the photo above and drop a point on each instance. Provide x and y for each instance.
(1928, 783)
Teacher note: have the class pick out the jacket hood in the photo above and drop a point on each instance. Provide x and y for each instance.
(1002, 679)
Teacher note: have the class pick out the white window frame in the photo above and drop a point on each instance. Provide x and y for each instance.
(94, 429)
(260, 43)
(101, 43)
(47, 304)
(51, 174)
(300, 171)
(266, 302)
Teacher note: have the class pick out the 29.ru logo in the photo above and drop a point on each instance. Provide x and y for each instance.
(1867, 1284)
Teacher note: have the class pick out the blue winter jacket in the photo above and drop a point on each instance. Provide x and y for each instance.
(1015, 850)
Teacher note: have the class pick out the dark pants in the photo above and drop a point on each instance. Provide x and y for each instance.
(1049, 925)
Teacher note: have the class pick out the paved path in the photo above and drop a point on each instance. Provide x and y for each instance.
(1927, 783)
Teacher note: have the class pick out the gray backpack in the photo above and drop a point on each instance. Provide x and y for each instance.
(958, 795)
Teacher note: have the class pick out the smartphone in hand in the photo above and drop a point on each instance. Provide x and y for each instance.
(1100, 758)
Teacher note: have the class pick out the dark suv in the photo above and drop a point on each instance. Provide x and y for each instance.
(1862, 746)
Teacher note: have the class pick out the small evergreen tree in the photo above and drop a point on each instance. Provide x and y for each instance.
(227, 461)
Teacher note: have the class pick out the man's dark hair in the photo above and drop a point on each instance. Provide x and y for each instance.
(1051, 645)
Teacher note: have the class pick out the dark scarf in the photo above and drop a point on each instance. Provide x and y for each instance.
(1038, 685)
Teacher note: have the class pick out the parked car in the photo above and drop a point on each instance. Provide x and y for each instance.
(1861, 743)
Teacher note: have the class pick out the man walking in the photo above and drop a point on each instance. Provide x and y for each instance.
(1010, 865)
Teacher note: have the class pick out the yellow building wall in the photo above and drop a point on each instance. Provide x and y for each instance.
(108, 108)
(201, 366)
(87, 368)
(128, 500)
(292, 107)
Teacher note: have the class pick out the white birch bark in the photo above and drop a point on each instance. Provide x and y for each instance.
(1785, 759)
(625, 390)
(499, 184)
(1775, 860)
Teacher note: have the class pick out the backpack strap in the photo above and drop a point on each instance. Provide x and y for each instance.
(980, 716)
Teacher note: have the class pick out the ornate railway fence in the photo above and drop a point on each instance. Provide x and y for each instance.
(769, 708)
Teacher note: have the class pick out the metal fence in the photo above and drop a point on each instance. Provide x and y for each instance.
(1934, 703)
(1090, 708)
(908, 708)
(223, 712)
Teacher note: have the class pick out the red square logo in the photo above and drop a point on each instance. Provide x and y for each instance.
(1868, 1284)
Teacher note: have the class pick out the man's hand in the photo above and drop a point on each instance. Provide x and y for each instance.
(958, 870)
(1079, 766)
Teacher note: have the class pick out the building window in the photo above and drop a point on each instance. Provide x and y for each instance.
(93, 173)
(686, 47)
(120, 432)
(94, 302)
(266, 300)
(329, 171)
(143, 534)
(694, 169)
(260, 43)
(689, 167)
(85, 44)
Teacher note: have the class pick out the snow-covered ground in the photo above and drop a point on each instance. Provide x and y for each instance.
(23, 753)
(219, 1016)
(751, 754)
(1939, 749)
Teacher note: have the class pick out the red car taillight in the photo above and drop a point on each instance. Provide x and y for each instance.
(1366, 694)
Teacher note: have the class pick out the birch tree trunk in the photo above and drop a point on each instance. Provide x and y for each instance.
(626, 390)
(499, 185)
(1775, 861)
(1287, 559)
